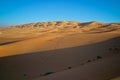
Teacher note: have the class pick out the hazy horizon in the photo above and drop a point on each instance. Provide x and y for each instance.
(15, 12)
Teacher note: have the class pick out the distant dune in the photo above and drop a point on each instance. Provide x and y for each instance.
(60, 50)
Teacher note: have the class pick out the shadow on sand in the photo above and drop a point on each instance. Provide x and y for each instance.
(18, 66)
(6, 43)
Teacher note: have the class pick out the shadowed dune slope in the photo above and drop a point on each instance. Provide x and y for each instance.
(34, 65)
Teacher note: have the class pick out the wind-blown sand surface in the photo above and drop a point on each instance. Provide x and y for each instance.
(60, 51)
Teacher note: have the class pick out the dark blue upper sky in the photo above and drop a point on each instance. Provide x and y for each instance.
(14, 12)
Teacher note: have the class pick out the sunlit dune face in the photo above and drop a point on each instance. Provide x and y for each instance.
(45, 36)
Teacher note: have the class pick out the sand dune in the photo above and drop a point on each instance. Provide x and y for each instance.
(36, 64)
(48, 35)
(69, 50)
(52, 42)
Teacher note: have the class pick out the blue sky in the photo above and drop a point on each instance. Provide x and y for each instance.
(14, 12)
